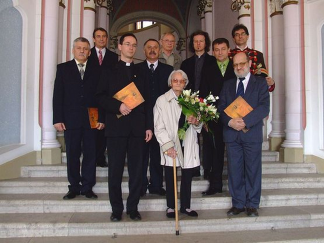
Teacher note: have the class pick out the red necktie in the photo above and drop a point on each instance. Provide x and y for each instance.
(100, 57)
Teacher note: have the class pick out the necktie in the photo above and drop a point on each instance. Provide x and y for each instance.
(81, 65)
(222, 68)
(240, 88)
(100, 57)
(152, 68)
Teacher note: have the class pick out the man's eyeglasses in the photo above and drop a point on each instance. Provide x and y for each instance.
(169, 41)
(181, 81)
(130, 45)
(241, 64)
(240, 34)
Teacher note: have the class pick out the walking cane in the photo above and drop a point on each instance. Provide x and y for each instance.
(175, 196)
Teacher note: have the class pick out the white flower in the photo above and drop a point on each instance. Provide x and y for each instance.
(186, 92)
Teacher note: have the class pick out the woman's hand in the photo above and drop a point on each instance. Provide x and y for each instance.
(171, 152)
(193, 120)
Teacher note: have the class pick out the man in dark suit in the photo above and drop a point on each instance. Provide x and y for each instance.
(102, 58)
(199, 45)
(213, 79)
(157, 73)
(194, 66)
(243, 136)
(128, 133)
(240, 34)
(74, 92)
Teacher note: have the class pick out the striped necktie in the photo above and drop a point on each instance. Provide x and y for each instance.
(81, 65)
(100, 57)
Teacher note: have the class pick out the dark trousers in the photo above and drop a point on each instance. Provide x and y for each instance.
(213, 157)
(152, 156)
(77, 141)
(185, 187)
(101, 147)
(244, 173)
(118, 147)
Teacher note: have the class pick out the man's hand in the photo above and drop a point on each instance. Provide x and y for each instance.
(100, 126)
(269, 81)
(171, 152)
(60, 126)
(237, 124)
(148, 135)
(124, 110)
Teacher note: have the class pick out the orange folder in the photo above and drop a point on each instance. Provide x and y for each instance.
(130, 96)
(238, 108)
(93, 117)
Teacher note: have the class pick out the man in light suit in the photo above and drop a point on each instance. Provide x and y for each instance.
(157, 74)
(74, 92)
(102, 58)
(244, 148)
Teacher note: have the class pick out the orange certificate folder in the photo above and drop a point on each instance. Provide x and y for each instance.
(130, 96)
(238, 108)
(93, 117)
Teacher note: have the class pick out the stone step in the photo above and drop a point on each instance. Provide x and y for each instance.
(153, 222)
(59, 184)
(53, 203)
(267, 168)
(294, 235)
(266, 156)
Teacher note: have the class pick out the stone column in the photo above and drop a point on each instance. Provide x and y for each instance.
(89, 18)
(102, 15)
(109, 10)
(277, 135)
(292, 147)
(201, 13)
(244, 9)
(60, 31)
(51, 152)
(209, 19)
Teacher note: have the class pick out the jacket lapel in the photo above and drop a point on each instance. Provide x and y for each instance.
(250, 87)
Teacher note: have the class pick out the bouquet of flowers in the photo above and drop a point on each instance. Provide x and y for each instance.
(202, 108)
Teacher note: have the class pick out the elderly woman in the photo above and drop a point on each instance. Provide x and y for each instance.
(167, 120)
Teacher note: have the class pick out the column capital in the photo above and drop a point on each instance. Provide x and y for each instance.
(241, 6)
(181, 44)
(288, 2)
(90, 5)
(201, 7)
(275, 7)
(62, 3)
(109, 7)
(209, 6)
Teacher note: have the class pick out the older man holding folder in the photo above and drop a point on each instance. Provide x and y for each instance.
(243, 135)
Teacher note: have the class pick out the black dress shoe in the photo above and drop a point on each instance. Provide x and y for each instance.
(211, 191)
(134, 215)
(170, 214)
(252, 212)
(161, 191)
(235, 211)
(70, 195)
(115, 217)
(191, 213)
(89, 194)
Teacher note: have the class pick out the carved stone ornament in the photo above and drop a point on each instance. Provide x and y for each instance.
(113, 42)
(209, 6)
(288, 2)
(181, 44)
(109, 6)
(99, 2)
(201, 7)
(275, 7)
(237, 4)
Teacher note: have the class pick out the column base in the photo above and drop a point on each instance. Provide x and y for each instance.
(319, 162)
(275, 143)
(291, 155)
(51, 156)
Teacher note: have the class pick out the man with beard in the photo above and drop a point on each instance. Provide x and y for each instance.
(243, 136)
(157, 73)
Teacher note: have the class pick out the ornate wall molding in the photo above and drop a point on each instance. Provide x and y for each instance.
(113, 42)
(209, 6)
(288, 2)
(275, 7)
(236, 5)
(109, 7)
(181, 44)
(201, 7)
(90, 5)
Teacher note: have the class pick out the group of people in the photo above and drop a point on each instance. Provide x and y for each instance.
(148, 133)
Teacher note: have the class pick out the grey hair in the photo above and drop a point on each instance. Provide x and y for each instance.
(81, 39)
(184, 76)
(167, 33)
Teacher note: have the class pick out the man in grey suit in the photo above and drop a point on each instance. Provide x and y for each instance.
(243, 136)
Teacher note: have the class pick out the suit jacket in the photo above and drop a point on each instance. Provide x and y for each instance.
(257, 95)
(140, 118)
(188, 66)
(162, 73)
(213, 81)
(72, 95)
(109, 60)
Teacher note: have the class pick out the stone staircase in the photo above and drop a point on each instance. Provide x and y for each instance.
(291, 210)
